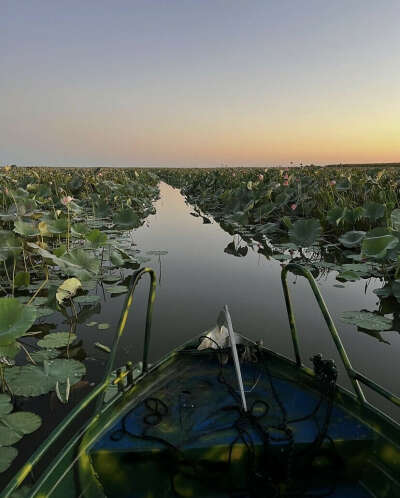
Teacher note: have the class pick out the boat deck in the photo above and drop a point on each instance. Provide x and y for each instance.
(187, 437)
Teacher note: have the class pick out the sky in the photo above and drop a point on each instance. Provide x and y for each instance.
(199, 82)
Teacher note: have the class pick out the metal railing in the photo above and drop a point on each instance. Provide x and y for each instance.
(355, 377)
(99, 391)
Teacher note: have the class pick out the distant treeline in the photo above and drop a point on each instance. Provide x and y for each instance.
(367, 165)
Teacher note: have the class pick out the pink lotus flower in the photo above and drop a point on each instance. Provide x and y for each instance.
(233, 174)
(333, 182)
(293, 207)
(285, 183)
(286, 176)
(261, 177)
(67, 200)
(100, 174)
(297, 180)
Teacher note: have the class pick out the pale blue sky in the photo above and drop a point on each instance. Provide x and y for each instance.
(199, 82)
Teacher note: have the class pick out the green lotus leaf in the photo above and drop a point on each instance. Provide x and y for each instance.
(79, 230)
(29, 380)
(34, 380)
(58, 226)
(395, 288)
(7, 455)
(336, 215)
(8, 436)
(101, 209)
(22, 422)
(117, 259)
(157, 253)
(352, 216)
(89, 299)
(374, 211)
(366, 320)
(5, 404)
(9, 349)
(15, 319)
(22, 278)
(377, 242)
(342, 185)
(26, 229)
(348, 275)
(352, 239)
(103, 326)
(96, 238)
(126, 219)
(117, 289)
(395, 219)
(61, 370)
(56, 340)
(10, 245)
(44, 354)
(76, 183)
(305, 232)
(81, 264)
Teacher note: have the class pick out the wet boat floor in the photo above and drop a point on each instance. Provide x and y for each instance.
(187, 437)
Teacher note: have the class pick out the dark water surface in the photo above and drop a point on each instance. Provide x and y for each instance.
(198, 278)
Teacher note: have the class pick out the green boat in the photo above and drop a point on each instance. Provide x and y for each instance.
(221, 416)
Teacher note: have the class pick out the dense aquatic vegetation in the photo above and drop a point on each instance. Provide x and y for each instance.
(62, 233)
(342, 219)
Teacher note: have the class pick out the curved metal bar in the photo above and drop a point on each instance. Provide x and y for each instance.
(99, 391)
(328, 320)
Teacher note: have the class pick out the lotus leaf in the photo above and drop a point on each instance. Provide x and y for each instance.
(96, 238)
(117, 259)
(26, 229)
(366, 320)
(15, 319)
(33, 380)
(44, 354)
(103, 326)
(22, 278)
(58, 226)
(305, 232)
(352, 239)
(117, 289)
(7, 455)
(377, 242)
(336, 215)
(79, 230)
(56, 340)
(89, 299)
(5, 404)
(374, 211)
(395, 219)
(126, 219)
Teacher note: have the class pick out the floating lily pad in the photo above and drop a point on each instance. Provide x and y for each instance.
(366, 320)
(91, 324)
(56, 340)
(7, 455)
(117, 289)
(104, 348)
(5, 404)
(89, 299)
(103, 326)
(44, 354)
(34, 380)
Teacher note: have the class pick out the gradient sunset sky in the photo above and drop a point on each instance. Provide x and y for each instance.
(199, 82)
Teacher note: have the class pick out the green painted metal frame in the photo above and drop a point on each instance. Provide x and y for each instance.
(99, 391)
(355, 377)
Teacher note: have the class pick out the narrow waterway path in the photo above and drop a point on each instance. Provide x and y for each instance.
(198, 278)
